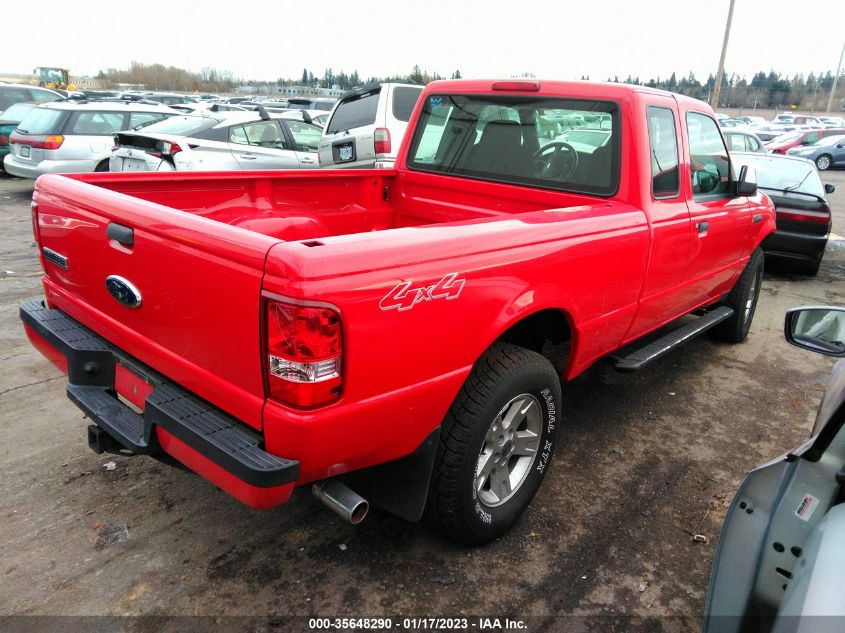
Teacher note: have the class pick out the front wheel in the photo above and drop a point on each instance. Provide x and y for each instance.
(823, 162)
(496, 444)
(743, 299)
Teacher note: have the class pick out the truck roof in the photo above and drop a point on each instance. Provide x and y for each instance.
(548, 87)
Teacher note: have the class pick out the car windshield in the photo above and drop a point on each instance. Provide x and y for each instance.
(182, 125)
(16, 113)
(501, 138)
(785, 175)
(42, 121)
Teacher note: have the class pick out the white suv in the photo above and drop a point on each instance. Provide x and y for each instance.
(75, 136)
(366, 126)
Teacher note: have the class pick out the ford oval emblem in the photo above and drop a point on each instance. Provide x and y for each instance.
(123, 290)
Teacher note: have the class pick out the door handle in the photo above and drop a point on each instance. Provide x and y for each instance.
(249, 156)
(702, 227)
(757, 218)
(306, 161)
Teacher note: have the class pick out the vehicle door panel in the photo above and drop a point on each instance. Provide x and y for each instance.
(718, 218)
(261, 145)
(669, 214)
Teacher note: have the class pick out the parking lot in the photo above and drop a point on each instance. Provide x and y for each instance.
(646, 462)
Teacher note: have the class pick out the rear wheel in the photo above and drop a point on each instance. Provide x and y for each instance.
(496, 444)
(810, 268)
(103, 165)
(823, 162)
(743, 299)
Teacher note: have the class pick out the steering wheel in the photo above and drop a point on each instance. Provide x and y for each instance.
(556, 160)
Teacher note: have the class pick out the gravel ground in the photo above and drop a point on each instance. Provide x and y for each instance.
(645, 461)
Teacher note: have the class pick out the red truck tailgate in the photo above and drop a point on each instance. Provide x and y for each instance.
(199, 282)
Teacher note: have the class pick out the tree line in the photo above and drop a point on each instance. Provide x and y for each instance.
(763, 90)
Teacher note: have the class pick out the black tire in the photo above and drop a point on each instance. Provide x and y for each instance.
(103, 165)
(811, 268)
(505, 375)
(824, 162)
(747, 288)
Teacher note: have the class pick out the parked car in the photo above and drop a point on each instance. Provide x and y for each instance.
(367, 125)
(74, 136)
(731, 123)
(18, 93)
(833, 121)
(220, 141)
(826, 153)
(742, 141)
(752, 120)
(168, 98)
(9, 120)
(585, 140)
(803, 214)
(780, 564)
(379, 335)
(786, 142)
(798, 119)
(307, 103)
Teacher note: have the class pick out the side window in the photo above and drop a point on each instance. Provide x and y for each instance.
(812, 137)
(97, 123)
(43, 96)
(237, 135)
(710, 167)
(306, 136)
(265, 134)
(665, 179)
(736, 142)
(138, 120)
(751, 144)
(11, 96)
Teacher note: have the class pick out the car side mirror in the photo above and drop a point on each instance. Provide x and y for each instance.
(828, 188)
(746, 184)
(818, 329)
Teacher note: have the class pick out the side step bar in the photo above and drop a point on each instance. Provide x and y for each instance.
(643, 356)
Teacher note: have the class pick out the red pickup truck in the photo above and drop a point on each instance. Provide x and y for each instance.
(397, 336)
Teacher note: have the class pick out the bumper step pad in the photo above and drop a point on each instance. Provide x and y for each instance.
(208, 430)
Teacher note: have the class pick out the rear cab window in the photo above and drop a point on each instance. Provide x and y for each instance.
(354, 111)
(495, 138)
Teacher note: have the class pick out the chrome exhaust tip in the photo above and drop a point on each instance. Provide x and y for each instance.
(344, 501)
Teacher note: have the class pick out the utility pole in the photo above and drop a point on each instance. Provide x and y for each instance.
(835, 79)
(714, 99)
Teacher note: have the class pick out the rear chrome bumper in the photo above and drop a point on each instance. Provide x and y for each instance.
(204, 438)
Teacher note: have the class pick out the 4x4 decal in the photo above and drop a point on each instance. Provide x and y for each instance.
(405, 295)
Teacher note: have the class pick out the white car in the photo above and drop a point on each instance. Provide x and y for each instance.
(366, 126)
(74, 136)
(220, 141)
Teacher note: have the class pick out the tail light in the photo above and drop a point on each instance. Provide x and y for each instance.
(169, 149)
(382, 140)
(821, 216)
(53, 141)
(4, 140)
(304, 354)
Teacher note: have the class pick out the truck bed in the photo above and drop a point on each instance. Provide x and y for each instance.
(293, 206)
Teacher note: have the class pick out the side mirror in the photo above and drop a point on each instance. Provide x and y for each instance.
(818, 329)
(828, 188)
(746, 185)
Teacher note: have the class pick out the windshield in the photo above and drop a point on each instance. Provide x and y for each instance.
(42, 121)
(182, 125)
(782, 174)
(16, 113)
(507, 139)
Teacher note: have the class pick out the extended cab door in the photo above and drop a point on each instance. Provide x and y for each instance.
(720, 220)
(670, 218)
(261, 145)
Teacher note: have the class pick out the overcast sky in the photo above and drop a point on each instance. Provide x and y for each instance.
(559, 39)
